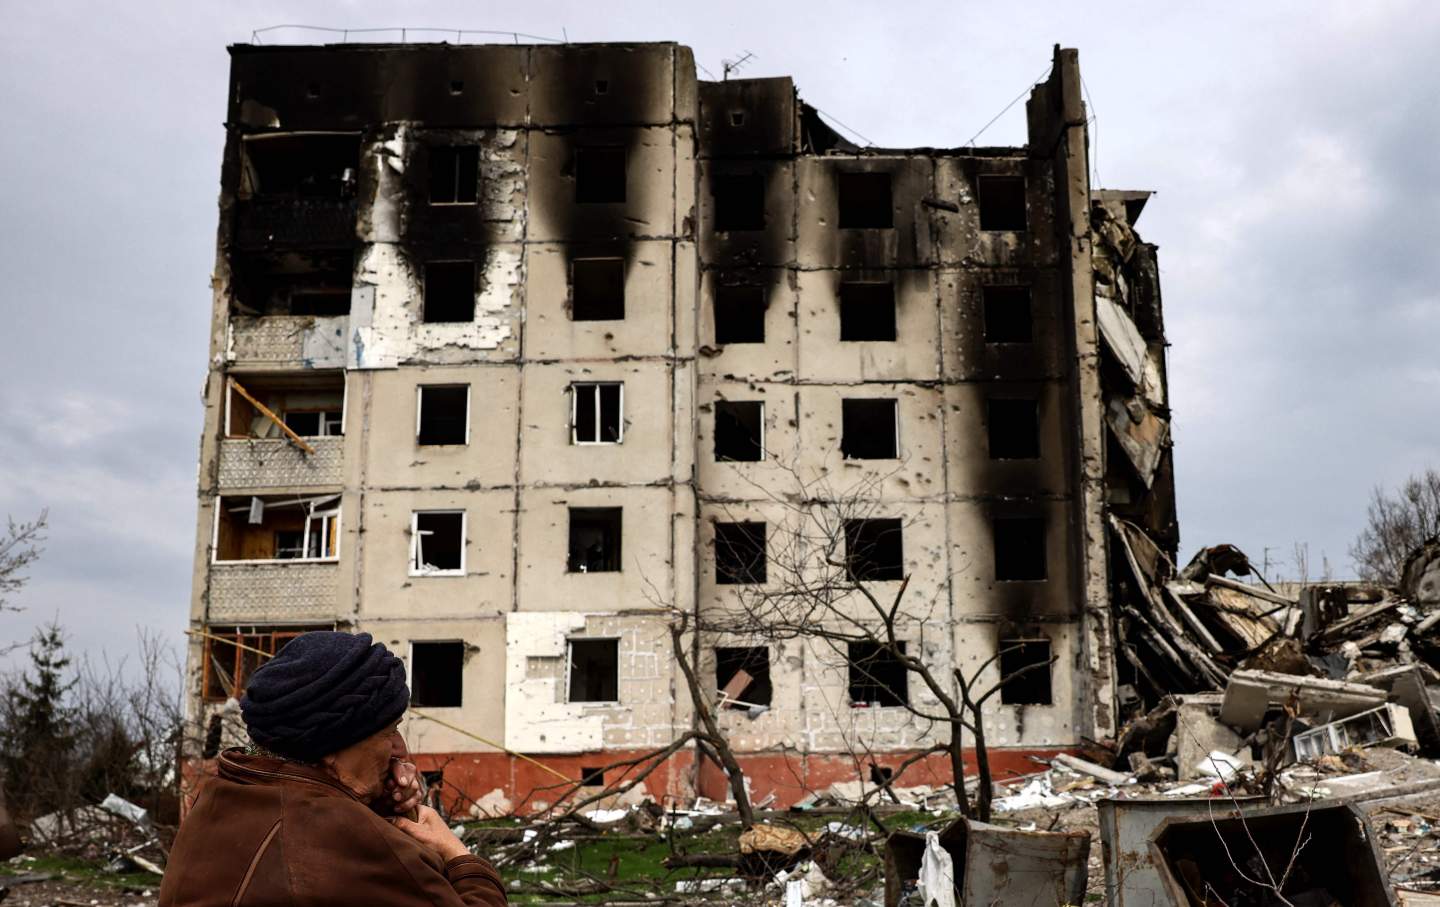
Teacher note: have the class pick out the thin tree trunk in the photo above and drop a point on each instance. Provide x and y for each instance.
(714, 736)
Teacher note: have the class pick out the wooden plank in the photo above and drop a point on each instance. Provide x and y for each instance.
(265, 411)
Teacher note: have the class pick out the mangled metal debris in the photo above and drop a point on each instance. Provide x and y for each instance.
(993, 865)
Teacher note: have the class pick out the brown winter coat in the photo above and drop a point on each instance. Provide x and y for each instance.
(266, 833)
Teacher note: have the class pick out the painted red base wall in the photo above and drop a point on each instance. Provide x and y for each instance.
(789, 776)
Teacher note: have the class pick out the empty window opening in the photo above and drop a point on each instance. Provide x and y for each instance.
(594, 539)
(592, 776)
(437, 670)
(739, 430)
(312, 90)
(597, 413)
(1025, 672)
(739, 201)
(1019, 548)
(314, 423)
(454, 174)
(737, 118)
(880, 775)
(1013, 426)
(602, 86)
(599, 176)
(869, 429)
(865, 201)
(312, 406)
(874, 550)
(1007, 314)
(1002, 202)
(867, 311)
(594, 669)
(449, 291)
(457, 87)
(320, 302)
(739, 553)
(437, 543)
(877, 676)
(444, 416)
(316, 283)
(316, 166)
(754, 662)
(232, 654)
(597, 289)
(274, 527)
(740, 313)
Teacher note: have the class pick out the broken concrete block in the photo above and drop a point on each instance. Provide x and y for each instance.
(1250, 694)
(1388, 725)
(1198, 732)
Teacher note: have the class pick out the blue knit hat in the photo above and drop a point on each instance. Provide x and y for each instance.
(323, 692)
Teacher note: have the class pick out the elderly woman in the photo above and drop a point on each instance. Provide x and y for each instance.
(310, 814)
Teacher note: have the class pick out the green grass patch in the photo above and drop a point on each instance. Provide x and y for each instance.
(74, 869)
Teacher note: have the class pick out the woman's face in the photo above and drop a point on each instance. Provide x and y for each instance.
(363, 767)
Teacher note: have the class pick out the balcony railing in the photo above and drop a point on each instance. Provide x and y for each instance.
(273, 591)
(284, 221)
(288, 341)
(248, 463)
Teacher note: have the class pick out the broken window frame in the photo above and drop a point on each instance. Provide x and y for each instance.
(715, 432)
(417, 543)
(584, 197)
(411, 673)
(456, 153)
(981, 180)
(616, 558)
(764, 696)
(575, 394)
(331, 422)
(1016, 646)
(570, 667)
(420, 413)
(265, 637)
(895, 409)
(750, 567)
(322, 524)
(867, 679)
(618, 260)
(425, 290)
(231, 393)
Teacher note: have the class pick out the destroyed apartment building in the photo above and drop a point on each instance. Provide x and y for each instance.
(519, 351)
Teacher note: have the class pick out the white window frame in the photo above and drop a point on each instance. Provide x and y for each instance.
(575, 410)
(420, 410)
(570, 661)
(417, 545)
(326, 517)
(455, 174)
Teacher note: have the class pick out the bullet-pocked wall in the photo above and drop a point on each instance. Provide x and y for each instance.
(505, 339)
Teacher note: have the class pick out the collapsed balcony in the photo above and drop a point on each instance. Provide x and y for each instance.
(297, 190)
(289, 309)
(283, 430)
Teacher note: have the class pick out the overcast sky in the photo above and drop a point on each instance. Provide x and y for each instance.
(1293, 147)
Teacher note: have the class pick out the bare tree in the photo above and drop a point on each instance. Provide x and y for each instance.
(1396, 524)
(20, 547)
(832, 582)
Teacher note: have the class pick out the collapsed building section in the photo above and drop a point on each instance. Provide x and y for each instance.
(520, 351)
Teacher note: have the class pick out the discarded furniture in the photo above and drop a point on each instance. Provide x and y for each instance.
(1387, 725)
(1315, 853)
(995, 865)
(1131, 878)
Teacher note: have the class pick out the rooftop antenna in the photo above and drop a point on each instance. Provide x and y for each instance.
(733, 65)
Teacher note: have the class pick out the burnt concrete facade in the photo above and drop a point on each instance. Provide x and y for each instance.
(490, 320)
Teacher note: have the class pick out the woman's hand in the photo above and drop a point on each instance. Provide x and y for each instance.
(403, 790)
(432, 831)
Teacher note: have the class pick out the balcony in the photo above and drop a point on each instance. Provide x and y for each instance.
(294, 223)
(287, 341)
(278, 463)
(273, 592)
